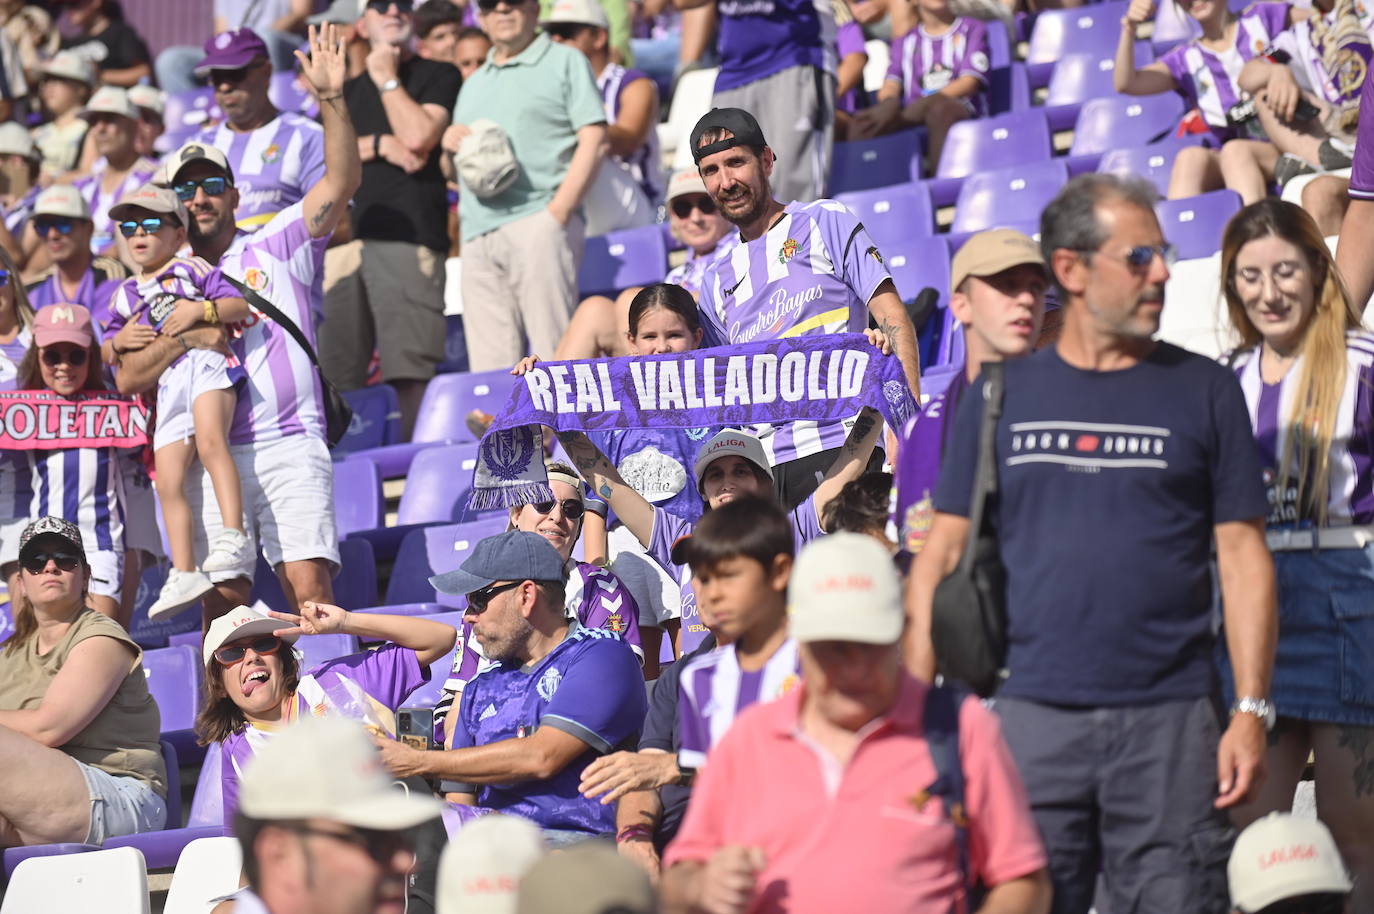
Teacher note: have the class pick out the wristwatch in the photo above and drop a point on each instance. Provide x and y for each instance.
(392, 83)
(1260, 707)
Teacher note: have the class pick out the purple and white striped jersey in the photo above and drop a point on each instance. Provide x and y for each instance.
(1207, 79)
(713, 690)
(103, 234)
(16, 215)
(1351, 499)
(283, 264)
(95, 291)
(273, 165)
(692, 272)
(16, 478)
(82, 485)
(1330, 52)
(813, 272)
(643, 163)
(11, 354)
(924, 64)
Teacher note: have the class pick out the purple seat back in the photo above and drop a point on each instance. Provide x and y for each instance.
(186, 112)
(427, 695)
(999, 45)
(879, 162)
(376, 419)
(1082, 76)
(355, 583)
(1154, 162)
(455, 345)
(437, 485)
(1195, 224)
(1125, 120)
(170, 762)
(288, 94)
(916, 263)
(174, 679)
(937, 380)
(619, 260)
(358, 500)
(1094, 29)
(1007, 195)
(316, 649)
(1028, 227)
(1008, 87)
(155, 634)
(450, 397)
(995, 142)
(6, 621)
(893, 213)
(434, 550)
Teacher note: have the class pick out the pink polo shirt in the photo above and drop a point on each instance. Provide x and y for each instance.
(851, 838)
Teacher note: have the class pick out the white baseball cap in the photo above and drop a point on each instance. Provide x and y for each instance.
(485, 159)
(149, 97)
(577, 12)
(1282, 856)
(66, 65)
(62, 200)
(16, 141)
(687, 181)
(241, 622)
(110, 100)
(328, 768)
(730, 441)
(844, 587)
(481, 868)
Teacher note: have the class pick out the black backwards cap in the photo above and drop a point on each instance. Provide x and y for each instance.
(739, 122)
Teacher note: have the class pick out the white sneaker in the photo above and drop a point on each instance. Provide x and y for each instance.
(231, 550)
(181, 590)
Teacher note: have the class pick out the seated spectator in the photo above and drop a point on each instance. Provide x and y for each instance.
(560, 695)
(437, 26)
(96, 31)
(19, 170)
(279, 24)
(850, 94)
(64, 88)
(829, 778)
(588, 879)
(863, 506)
(482, 866)
(150, 102)
(938, 76)
(78, 728)
(119, 171)
(254, 684)
(1284, 864)
(30, 28)
(629, 184)
(1206, 72)
(470, 51)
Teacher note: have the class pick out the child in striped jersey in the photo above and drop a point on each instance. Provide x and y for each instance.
(196, 395)
(1206, 72)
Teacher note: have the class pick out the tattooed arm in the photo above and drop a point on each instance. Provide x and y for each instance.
(327, 201)
(853, 459)
(890, 315)
(634, 512)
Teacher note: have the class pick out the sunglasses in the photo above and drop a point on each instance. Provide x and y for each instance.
(63, 225)
(213, 187)
(563, 31)
(384, 6)
(234, 76)
(478, 599)
(682, 206)
(572, 510)
(36, 562)
(261, 645)
(4, 278)
(1142, 255)
(487, 6)
(381, 846)
(149, 226)
(52, 357)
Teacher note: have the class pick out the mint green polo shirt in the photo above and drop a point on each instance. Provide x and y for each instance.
(542, 97)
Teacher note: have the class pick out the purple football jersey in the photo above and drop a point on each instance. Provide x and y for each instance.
(273, 165)
(1362, 169)
(923, 64)
(918, 464)
(713, 690)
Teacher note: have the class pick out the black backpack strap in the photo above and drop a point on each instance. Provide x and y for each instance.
(941, 729)
(280, 319)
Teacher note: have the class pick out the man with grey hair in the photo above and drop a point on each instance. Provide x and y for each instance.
(1120, 460)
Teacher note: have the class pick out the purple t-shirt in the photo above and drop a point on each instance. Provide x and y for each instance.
(95, 292)
(1362, 169)
(366, 687)
(589, 686)
(849, 39)
(923, 64)
(758, 38)
(918, 464)
(713, 690)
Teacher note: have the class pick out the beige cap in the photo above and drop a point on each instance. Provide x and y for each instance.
(149, 97)
(110, 100)
(687, 181)
(730, 441)
(241, 622)
(194, 151)
(485, 160)
(16, 141)
(328, 768)
(67, 65)
(991, 252)
(62, 200)
(577, 12)
(1281, 856)
(153, 198)
(844, 587)
(587, 878)
(481, 868)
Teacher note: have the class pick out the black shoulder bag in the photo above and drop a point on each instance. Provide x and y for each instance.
(338, 415)
(968, 626)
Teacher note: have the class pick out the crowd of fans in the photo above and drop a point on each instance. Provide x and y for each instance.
(704, 668)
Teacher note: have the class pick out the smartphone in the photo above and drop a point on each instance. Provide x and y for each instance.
(415, 727)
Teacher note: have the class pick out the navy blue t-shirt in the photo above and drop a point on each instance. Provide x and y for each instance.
(1109, 486)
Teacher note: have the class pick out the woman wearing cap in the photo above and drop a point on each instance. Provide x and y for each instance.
(81, 484)
(253, 687)
(16, 333)
(78, 729)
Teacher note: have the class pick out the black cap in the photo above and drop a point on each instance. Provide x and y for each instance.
(52, 526)
(739, 122)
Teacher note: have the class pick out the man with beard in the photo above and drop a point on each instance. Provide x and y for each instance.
(800, 268)
(1120, 462)
(276, 155)
(559, 695)
(277, 434)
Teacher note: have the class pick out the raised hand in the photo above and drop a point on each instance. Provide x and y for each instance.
(324, 70)
(315, 619)
(1140, 11)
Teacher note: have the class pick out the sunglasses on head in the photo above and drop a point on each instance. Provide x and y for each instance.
(384, 6)
(213, 186)
(682, 206)
(34, 563)
(53, 356)
(45, 224)
(149, 226)
(572, 508)
(478, 599)
(262, 645)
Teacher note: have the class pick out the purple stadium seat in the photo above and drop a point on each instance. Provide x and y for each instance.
(999, 46)
(1007, 195)
(1008, 87)
(1094, 29)
(355, 583)
(288, 95)
(428, 551)
(619, 260)
(1154, 162)
(1124, 120)
(187, 112)
(1030, 227)
(1195, 224)
(916, 263)
(358, 500)
(174, 679)
(937, 380)
(155, 634)
(892, 213)
(990, 143)
(437, 485)
(376, 419)
(427, 695)
(879, 162)
(316, 649)
(1079, 77)
(6, 621)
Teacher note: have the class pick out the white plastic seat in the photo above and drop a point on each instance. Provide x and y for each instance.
(691, 99)
(111, 881)
(1194, 314)
(207, 868)
(879, 59)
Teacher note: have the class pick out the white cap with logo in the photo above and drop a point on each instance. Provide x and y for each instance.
(110, 100)
(1283, 856)
(16, 141)
(577, 12)
(730, 441)
(241, 622)
(62, 200)
(844, 587)
(481, 868)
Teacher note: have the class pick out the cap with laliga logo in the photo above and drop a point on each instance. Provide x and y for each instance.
(154, 199)
(239, 623)
(66, 65)
(110, 100)
(1282, 856)
(744, 130)
(726, 442)
(16, 141)
(687, 181)
(577, 12)
(845, 588)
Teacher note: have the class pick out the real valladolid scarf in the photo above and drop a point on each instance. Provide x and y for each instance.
(823, 378)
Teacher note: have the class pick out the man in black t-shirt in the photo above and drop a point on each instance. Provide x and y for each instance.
(108, 42)
(386, 288)
(1120, 461)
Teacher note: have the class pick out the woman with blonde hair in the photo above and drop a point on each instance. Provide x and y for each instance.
(1306, 366)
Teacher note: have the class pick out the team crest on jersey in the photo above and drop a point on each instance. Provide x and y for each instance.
(916, 524)
(875, 254)
(548, 683)
(788, 684)
(614, 623)
(271, 154)
(255, 279)
(788, 250)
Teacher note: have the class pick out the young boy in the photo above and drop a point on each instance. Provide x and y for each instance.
(196, 395)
